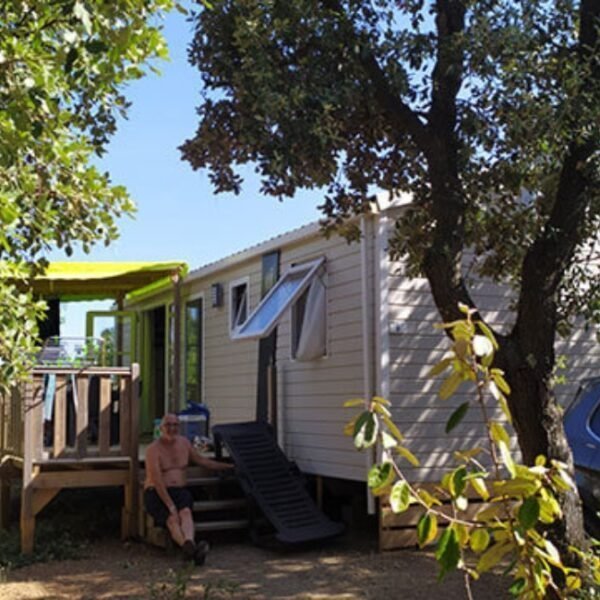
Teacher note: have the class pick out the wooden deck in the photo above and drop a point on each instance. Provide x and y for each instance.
(69, 428)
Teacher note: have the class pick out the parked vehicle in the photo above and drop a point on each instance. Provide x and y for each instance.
(582, 426)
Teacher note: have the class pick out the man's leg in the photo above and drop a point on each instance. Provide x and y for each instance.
(187, 524)
(175, 529)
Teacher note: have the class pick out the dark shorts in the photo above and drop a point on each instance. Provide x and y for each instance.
(182, 498)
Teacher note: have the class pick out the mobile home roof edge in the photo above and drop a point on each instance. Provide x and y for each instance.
(384, 202)
(309, 230)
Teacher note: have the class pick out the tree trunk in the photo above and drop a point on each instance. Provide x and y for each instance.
(537, 419)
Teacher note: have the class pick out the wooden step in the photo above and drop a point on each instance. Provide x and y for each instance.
(230, 503)
(222, 525)
(210, 480)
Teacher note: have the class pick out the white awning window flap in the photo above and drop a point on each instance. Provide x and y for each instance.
(312, 338)
(281, 296)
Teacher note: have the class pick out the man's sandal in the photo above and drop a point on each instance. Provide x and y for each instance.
(189, 550)
(202, 549)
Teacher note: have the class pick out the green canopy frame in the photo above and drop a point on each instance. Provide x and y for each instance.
(120, 281)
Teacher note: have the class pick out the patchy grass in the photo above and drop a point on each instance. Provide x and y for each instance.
(64, 529)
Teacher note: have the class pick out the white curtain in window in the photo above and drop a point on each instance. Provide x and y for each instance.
(312, 339)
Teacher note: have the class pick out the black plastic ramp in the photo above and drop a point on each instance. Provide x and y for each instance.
(266, 475)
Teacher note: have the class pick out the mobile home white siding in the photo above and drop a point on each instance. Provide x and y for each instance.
(416, 346)
(229, 369)
(313, 392)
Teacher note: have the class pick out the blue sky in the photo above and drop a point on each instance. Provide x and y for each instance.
(179, 216)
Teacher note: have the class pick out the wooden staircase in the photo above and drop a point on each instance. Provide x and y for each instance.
(221, 507)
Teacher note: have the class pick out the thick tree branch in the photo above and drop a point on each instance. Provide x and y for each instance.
(442, 263)
(447, 74)
(545, 262)
(401, 116)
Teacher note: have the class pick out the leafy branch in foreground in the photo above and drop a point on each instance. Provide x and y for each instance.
(64, 67)
(519, 502)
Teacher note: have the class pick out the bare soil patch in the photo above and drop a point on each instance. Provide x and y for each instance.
(348, 569)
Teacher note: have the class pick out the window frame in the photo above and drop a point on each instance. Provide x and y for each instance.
(236, 283)
(200, 346)
(310, 268)
(295, 333)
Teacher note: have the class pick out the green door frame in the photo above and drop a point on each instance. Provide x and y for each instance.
(117, 314)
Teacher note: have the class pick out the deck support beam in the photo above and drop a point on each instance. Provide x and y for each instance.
(4, 503)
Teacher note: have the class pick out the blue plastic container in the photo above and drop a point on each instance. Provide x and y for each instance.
(194, 421)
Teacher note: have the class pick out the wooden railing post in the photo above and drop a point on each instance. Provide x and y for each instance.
(131, 508)
(82, 419)
(32, 447)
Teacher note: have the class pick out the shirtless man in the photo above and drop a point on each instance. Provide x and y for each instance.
(166, 497)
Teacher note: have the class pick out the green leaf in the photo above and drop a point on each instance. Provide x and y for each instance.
(426, 529)
(366, 429)
(354, 402)
(518, 586)
(447, 552)
(488, 333)
(96, 46)
(507, 458)
(400, 497)
(498, 432)
(428, 499)
(380, 478)
(549, 509)
(458, 482)
(360, 423)
(450, 385)
(380, 400)
(457, 416)
(480, 539)
(493, 556)
(392, 428)
(498, 377)
(479, 486)
(516, 487)
(408, 455)
(440, 367)
(529, 512)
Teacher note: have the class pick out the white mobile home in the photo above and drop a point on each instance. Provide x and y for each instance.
(343, 322)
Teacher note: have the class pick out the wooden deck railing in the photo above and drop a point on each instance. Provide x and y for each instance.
(11, 425)
(80, 414)
(74, 428)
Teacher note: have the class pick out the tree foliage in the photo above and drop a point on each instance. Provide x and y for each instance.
(487, 113)
(63, 67)
(362, 96)
(509, 524)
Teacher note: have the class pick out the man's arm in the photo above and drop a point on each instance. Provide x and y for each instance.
(155, 479)
(203, 461)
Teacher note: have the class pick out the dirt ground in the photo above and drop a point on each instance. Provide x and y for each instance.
(348, 569)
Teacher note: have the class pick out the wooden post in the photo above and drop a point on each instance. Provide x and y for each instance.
(174, 404)
(82, 415)
(104, 416)
(319, 491)
(4, 502)
(60, 416)
(125, 415)
(27, 516)
(272, 397)
(131, 509)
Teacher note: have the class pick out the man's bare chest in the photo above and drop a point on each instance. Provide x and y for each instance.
(172, 459)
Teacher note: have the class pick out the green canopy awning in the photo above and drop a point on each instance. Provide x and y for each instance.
(105, 280)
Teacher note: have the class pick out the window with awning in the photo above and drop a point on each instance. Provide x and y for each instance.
(302, 289)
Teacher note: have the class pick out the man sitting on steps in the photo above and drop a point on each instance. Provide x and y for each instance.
(166, 496)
